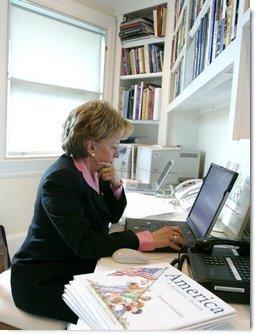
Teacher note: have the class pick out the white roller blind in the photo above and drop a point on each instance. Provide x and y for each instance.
(55, 64)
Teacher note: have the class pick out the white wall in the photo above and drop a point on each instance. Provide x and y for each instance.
(214, 140)
(17, 196)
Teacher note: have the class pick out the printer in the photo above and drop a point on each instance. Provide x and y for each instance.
(152, 159)
(125, 163)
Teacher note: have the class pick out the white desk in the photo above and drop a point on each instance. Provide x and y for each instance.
(142, 206)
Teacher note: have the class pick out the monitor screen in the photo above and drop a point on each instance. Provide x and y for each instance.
(210, 199)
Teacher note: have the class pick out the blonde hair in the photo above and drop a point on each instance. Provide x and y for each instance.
(94, 120)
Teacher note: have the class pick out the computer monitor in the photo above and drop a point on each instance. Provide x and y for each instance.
(217, 184)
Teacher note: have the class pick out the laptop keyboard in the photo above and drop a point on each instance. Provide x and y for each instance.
(189, 237)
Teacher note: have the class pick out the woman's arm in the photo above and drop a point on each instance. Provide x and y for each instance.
(77, 220)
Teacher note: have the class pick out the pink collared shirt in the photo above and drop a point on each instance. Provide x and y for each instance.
(146, 241)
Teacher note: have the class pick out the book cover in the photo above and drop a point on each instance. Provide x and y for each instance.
(130, 298)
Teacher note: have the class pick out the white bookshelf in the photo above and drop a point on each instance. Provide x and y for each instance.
(224, 83)
(145, 130)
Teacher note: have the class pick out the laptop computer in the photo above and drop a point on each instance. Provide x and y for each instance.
(149, 188)
(216, 186)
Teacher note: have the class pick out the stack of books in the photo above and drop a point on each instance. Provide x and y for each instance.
(144, 298)
(159, 20)
(136, 28)
(178, 40)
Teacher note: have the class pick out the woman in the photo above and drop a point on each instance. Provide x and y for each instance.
(78, 196)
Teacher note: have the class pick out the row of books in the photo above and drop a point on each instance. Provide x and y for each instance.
(216, 30)
(143, 59)
(201, 50)
(196, 6)
(179, 79)
(159, 20)
(177, 10)
(138, 27)
(225, 14)
(178, 40)
(150, 297)
(140, 101)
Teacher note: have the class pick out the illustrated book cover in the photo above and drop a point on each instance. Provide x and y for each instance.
(144, 298)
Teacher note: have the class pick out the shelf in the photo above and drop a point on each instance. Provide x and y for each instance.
(211, 88)
(153, 122)
(202, 12)
(142, 76)
(142, 41)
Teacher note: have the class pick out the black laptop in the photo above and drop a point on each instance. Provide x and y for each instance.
(212, 195)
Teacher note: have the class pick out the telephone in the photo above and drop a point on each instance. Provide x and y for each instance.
(223, 267)
(187, 191)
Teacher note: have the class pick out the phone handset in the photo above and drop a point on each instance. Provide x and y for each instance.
(205, 245)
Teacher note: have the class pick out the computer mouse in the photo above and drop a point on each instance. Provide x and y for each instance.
(129, 256)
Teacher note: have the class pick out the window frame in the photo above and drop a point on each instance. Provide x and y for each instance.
(16, 166)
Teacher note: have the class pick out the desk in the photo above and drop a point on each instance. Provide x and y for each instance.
(141, 202)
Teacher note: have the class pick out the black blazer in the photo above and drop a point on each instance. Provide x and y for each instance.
(69, 230)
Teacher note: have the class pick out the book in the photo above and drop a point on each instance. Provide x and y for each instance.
(157, 103)
(154, 297)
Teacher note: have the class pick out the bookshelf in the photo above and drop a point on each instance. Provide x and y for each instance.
(196, 78)
(139, 69)
(209, 72)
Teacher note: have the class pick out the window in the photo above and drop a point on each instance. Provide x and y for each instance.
(55, 63)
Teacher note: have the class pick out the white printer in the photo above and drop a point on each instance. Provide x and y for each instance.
(125, 163)
(152, 159)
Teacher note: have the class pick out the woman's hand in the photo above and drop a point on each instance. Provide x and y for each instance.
(168, 237)
(108, 172)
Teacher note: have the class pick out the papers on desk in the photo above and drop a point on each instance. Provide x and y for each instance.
(144, 298)
(142, 205)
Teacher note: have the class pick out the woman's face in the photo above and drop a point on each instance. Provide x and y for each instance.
(106, 150)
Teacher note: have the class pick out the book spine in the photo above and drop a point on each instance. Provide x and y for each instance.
(234, 19)
(216, 27)
(130, 103)
(211, 23)
(157, 103)
(135, 101)
(146, 58)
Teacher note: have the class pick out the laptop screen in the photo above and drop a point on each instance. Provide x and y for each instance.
(216, 186)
